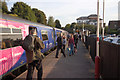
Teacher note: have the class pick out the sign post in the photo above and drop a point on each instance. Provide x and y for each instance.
(103, 20)
(97, 58)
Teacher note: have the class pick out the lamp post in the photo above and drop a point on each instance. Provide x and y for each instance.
(103, 20)
(97, 58)
(83, 37)
(83, 26)
(98, 28)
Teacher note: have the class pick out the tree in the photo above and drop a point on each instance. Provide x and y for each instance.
(24, 11)
(51, 21)
(57, 24)
(67, 26)
(106, 29)
(41, 17)
(4, 7)
(91, 28)
(112, 31)
(73, 25)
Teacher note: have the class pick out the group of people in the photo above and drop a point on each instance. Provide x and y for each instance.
(32, 44)
(72, 44)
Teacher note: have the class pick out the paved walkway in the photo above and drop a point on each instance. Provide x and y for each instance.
(79, 65)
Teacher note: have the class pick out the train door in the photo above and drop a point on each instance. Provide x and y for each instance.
(54, 36)
(40, 36)
(50, 38)
(44, 34)
(57, 32)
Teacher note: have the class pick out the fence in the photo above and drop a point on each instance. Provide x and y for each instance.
(90, 43)
(109, 58)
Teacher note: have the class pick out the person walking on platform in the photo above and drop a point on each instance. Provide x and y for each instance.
(68, 36)
(59, 46)
(64, 43)
(33, 45)
(80, 37)
(76, 40)
(71, 45)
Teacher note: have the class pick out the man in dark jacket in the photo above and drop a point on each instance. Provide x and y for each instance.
(59, 46)
(34, 58)
(76, 40)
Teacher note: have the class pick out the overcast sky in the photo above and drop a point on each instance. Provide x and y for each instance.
(67, 11)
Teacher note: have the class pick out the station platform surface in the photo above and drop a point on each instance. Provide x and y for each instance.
(79, 65)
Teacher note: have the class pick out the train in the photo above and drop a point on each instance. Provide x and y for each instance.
(13, 30)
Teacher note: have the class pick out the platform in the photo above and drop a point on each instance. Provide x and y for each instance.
(79, 65)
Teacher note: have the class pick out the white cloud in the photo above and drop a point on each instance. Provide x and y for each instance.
(68, 10)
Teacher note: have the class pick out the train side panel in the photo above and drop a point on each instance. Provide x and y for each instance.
(13, 57)
(10, 55)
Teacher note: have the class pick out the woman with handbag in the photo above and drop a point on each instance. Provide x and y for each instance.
(71, 45)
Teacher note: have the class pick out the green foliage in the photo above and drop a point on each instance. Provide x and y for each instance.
(13, 15)
(4, 7)
(106, 29)
(67, 26)
(41, 17)
(118, 31)
(51, 21)
(70, 27)
(73, 25)
(91, 28)
(57, 24)
(24, 11)
(112, 31)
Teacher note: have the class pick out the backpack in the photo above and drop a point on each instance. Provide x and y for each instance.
(28, 43)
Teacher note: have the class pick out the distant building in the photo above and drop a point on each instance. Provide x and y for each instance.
(82, 20)
(119, 10)
(114, 24)
(91, 20)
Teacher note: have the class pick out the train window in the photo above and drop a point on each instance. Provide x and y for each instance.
(44, 35)
(16, 30)
(10, 40)
(5, 30)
